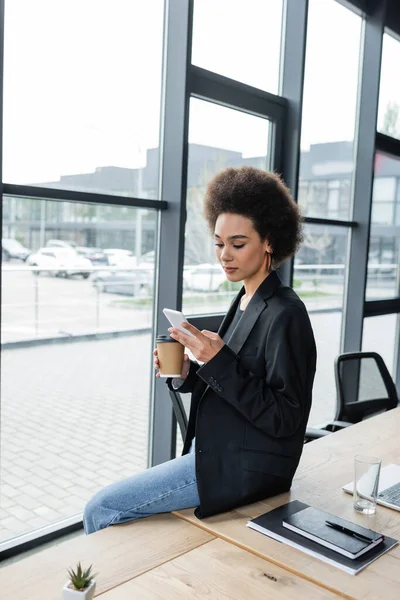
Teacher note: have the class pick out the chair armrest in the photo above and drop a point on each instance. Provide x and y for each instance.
(336, 425)
(312, 433)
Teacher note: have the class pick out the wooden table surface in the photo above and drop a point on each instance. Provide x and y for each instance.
(218, 570)
(117, 553)
(326, 465)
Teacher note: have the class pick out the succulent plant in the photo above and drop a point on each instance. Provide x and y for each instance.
(80, 578)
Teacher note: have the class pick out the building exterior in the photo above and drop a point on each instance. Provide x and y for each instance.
(325, 184)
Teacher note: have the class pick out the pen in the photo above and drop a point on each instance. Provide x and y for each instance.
(359, 536)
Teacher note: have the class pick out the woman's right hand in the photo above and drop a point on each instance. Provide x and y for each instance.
(185, 366)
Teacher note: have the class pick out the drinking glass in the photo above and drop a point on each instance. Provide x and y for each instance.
(366, 480)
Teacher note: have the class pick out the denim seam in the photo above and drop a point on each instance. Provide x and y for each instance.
(152, 502)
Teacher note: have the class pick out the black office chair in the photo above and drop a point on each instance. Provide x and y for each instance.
(364, 387)
(179, 411)
(182, 419)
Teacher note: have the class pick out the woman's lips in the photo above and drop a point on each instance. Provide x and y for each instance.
(230, 269)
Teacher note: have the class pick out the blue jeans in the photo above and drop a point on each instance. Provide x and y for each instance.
(169, 486)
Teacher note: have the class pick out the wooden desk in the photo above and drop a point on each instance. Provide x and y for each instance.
(117, 553)
(218, 570)
(325, 466)
(156, 558)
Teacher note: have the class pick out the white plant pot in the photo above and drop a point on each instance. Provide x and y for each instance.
(70, 594)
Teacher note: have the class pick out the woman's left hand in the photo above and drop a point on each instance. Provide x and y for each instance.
(204, 345)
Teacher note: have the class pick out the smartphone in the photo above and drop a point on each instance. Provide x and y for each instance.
(176, 319)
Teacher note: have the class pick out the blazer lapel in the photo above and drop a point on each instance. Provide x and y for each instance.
(231, 313)
(256, 306)
(246, 323)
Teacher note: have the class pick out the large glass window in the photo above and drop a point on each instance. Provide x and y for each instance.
(82, 82)
(240, 40)
(329, 110)
(381, 334)
(219, 137)
(319, 279)
(389, 91)
(384, 247)
(77, 301)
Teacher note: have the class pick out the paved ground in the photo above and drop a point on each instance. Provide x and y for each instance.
(74, 417)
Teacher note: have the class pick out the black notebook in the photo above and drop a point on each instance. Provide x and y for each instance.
(270, 524)
(335, 533)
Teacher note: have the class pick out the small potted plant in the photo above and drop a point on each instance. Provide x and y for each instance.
(81, 584)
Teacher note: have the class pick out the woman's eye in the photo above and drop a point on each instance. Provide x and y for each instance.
(219, 245)
(241, 246)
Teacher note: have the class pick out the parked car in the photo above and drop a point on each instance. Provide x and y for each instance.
(59, 262)
(203, 278)
(95, 255)
(130, 282)
(120, 258)
(59, 244)
(148, 257)
(11, 248)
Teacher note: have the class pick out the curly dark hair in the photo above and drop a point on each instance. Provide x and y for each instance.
(262, 197)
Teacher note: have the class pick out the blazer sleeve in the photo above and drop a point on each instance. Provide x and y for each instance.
(277, 402)
(189, 382)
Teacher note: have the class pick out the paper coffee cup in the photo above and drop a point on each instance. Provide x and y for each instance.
(170, 356)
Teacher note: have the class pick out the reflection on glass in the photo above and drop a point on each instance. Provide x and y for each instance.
(319, 278)
(384, 248)
(84, 274)
(240, 40)
(381, 334)
(219, 137)
(92, 123)
(329, 110)
(389, 90)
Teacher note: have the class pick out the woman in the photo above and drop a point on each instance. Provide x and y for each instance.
(252, 396)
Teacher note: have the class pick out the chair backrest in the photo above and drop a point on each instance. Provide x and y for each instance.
(179, 411)
(364, 386)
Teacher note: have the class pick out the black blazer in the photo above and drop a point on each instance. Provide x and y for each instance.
(250, 403)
